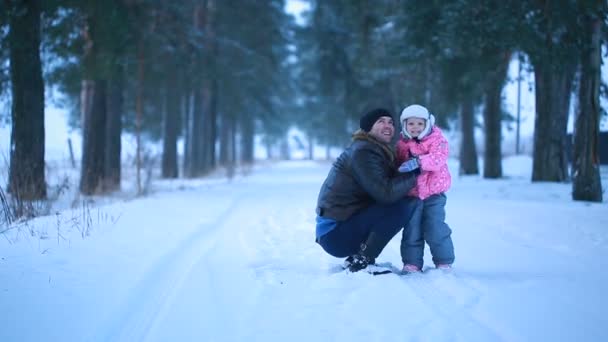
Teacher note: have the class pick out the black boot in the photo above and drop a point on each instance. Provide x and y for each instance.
(358, 262)
(373, 246)
(369, 251)
(347, 262)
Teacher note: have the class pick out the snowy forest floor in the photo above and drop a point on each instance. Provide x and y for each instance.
(218, 260)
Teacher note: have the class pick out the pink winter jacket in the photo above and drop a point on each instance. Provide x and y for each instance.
(432, 152)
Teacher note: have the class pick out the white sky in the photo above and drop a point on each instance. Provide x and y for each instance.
(296, 8)
(212, 260)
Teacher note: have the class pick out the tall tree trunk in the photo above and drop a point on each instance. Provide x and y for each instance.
(170, 127)
(139, 111)
(586, 185)
(115, 103)
(94, 115)
(212, 117)
(284, 152)
(228, 148)
(192, 153)
(187, 129)
(197, 141)
(247, 140)
(94, 141)
(233, 148)
(268, 147)
(198, 129)
(232, 155)
(211, 84)
(311, 142)
(225, 133)
(492, 117)
(468, 149)
(207, 141)
(553, 86)
(26, 174)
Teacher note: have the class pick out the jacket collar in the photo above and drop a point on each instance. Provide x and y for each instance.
(362, 135)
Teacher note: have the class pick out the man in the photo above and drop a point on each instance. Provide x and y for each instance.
(362, 203)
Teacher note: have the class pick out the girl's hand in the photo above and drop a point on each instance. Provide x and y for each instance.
(409, 165)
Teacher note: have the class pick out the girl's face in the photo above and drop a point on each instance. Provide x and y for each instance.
(414, 126)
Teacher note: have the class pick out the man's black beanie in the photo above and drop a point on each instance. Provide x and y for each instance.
(369, 119)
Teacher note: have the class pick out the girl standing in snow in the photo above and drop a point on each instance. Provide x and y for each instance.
(423, 146)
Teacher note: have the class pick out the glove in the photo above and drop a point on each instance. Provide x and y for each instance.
(409, 165)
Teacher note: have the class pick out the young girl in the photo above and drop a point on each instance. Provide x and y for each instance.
(424, 146)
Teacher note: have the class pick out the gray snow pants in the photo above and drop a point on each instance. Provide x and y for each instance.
(428, 224)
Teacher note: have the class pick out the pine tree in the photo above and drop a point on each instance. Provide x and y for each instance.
(586, 185)
(26, 175)
(549, 40)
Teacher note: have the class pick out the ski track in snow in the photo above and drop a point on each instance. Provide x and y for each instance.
(156, 291)
(284, 281)
(251, 271)
(452, 300)
(253, 249)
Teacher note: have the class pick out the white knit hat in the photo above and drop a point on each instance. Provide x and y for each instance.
(417, 111)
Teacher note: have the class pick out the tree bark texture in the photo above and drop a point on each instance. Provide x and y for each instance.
(225, 141)
(115, 105)
(170, 127)
(553, 88)
(196, 136)
(198, 128)
(207, 140)
(26, 172)
(211, 85)
(586, 185)
(247, 139)
(139, 111)
(187, 107)
(94, 96)
(94, 141)
(213, 105)
(468, 149)
(492, 118)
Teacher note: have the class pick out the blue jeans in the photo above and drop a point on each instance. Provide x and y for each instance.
(386, 220)
(428, 224)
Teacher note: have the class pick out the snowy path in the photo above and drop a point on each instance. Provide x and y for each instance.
(237, 262)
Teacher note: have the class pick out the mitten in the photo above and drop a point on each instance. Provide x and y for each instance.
(409, 165)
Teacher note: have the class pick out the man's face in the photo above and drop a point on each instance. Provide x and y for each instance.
(383, 129)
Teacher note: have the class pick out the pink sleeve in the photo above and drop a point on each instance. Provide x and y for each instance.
(437, 156)
(402, 152)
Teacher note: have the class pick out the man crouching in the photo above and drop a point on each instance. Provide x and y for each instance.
(362, 204)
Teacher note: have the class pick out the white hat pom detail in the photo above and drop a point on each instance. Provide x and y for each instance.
(417, 111)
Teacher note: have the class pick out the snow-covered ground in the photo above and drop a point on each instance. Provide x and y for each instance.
(218, 260)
